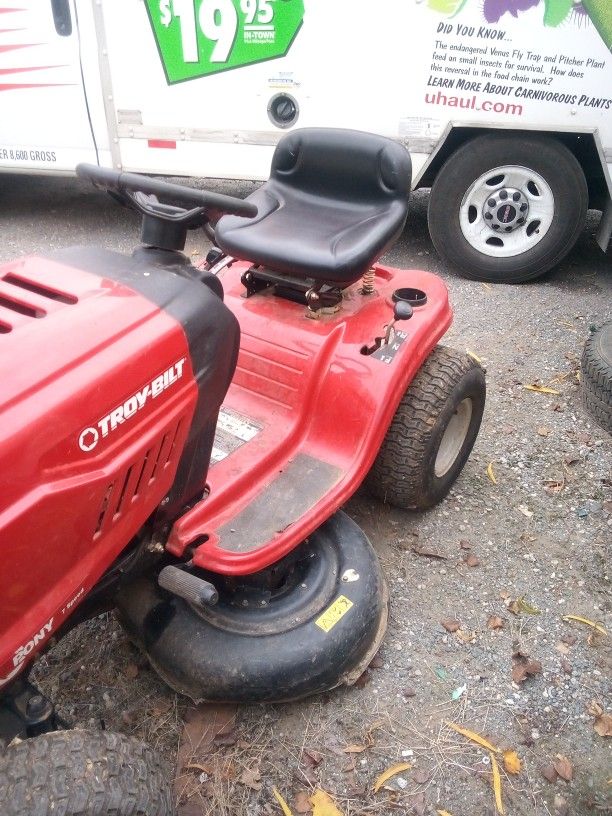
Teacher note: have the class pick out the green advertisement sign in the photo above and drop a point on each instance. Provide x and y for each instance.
(196, 38)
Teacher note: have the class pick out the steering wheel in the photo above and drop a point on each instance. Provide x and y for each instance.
(190, 208)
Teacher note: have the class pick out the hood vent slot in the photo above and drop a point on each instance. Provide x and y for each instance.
(38, 289)
(21, 308)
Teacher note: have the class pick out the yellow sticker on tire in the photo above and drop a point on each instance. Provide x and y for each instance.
(328, 619)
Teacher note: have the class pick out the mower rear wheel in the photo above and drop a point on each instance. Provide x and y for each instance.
(82, 773)
(432, 433)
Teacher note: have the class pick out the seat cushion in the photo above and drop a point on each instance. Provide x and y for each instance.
(335, 201)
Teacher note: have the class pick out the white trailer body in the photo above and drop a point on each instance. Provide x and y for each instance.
(207, 87)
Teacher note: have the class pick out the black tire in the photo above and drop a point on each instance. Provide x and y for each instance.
(540, 154)
(407, 471)
(596, 368)
(82, 773)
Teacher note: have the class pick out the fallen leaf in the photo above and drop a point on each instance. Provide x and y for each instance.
(450, 624)
(131, 671)
(409, 692)
(312, 758)
(363, 679)
(543, 430)
(421, 776)
(389, 773)
(525, 510)
(603, 725)
(541, 389)
(203, 725)
(465, 545)
(597, 626)
(563, 767)
(355, 749)
(603, 720)
(441, 673)
(459, 692)
(465, 637)
(418, 804)
(594, 709)
(251, 778)
(560, 805)
(497, 785)
(377, 662)
(549, 773)
(472, 735)
(473, 356)
(566, 666)
(284, 806)
(323, 804)
(524, 669)
(471, 560)
(301, 803)
(512, 762)
(420, 550)
(512, 606)
(443, 813)
(225, 739)
(519, 673)
(490, 473)
(528, 608)
(161, 706)
(495, 622)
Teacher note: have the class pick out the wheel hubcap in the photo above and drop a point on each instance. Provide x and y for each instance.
(453, 438)
(507, 211)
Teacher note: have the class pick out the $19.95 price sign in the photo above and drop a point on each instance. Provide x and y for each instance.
(200, 37)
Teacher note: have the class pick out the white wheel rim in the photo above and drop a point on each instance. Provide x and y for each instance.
(507, 211)
(453, 438)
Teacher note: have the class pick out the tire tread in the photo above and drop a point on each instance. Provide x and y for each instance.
(82, 773)
(397, 473)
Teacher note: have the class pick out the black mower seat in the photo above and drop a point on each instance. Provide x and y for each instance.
(334, 202)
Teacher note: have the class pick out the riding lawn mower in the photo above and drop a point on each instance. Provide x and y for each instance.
(176, 443)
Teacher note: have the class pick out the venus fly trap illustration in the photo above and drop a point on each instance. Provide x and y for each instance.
(556, 12)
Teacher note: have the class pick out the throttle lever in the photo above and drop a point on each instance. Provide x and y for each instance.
(401, 311)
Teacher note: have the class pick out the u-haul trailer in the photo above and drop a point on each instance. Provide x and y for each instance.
(505, 106)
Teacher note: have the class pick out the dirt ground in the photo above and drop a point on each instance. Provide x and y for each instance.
(506, 556)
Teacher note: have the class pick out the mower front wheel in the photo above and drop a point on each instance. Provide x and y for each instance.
(82, 773)
(432, 433)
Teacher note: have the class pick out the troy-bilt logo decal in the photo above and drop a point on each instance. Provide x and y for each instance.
(89, 437)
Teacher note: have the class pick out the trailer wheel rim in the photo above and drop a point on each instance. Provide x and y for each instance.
(453, 438)
(507, 211)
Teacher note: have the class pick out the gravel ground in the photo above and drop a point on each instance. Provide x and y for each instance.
(542, 533)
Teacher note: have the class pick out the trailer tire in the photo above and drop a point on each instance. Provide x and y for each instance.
(432, 433)
(596, 366)
(82, 773)
(507, 208)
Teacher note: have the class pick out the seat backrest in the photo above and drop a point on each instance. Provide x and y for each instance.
(343, 164)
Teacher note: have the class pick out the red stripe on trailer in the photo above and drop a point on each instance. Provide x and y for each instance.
(28, 68)
(6, 10)
(4, 48)
(13, 86)
(164, 143)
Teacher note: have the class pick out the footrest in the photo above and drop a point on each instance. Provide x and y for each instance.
(295, 491)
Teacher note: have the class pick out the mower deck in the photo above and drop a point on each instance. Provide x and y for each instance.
(304, 416)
